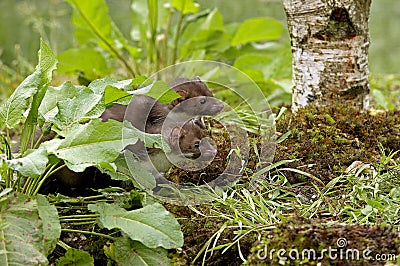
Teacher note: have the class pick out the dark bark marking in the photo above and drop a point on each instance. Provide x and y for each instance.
(339, 27)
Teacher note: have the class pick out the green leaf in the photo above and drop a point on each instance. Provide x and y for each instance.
(11, 112)
(32, 163)
(151, 140)
(205, 33)
(99, 85)
(25, 240)
(257, 29)
(48, 108)
(129, 252)
(112, 94)
(151, 225)
(138, 80)
(71, 111)
(159, 90)
(132, 167)
(51, 224)
(92, 143)
(75, 257)
(185, 6)
(94, 25)
(89, 61)
(121, 172)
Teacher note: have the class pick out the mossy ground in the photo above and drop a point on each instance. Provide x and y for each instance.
(325, 140)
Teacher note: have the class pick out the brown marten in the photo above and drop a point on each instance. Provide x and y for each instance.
(186, 140)
(148, 115)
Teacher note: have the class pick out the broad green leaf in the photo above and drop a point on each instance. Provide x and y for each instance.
(186, 6)
(134, 168)
(138, 80)
(159, 90)
(151, 225)
(92, 143)
(252, 61)
(48, 108)
(71, 111)
(32, 163)
(122, 170)
(204, 33)
(51, 224)
(97, 142)
(22, 229)
(257, 29)
(254, 65)
(151, 140)
(93, 24)
(69, 104)
(89, 61)
(129, 252)
(75, 257)
(11, 112)
(99, 85)
(112, 94)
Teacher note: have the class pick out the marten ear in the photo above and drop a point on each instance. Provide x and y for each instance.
(183, 97)
(175, 136)
(197, 78)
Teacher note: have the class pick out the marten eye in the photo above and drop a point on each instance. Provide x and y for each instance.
(202, 101)
(197, 144)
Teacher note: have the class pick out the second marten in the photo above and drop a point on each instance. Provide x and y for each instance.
(148, 115)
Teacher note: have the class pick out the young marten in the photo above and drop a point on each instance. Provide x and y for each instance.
(148, 115)
(186, 140)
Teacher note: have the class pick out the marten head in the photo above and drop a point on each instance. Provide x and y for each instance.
(189, 88)
(190, 140)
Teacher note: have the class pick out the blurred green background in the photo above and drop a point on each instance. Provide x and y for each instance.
(23, 22)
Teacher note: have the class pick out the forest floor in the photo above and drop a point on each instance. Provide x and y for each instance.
(322, 144)
(326, 141)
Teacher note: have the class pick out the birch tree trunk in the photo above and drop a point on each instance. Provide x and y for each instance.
(330, 42)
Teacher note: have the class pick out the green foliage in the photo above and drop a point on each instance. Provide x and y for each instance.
(29, 224)
(32, 163)
(75, 257)
(29, 94)
(166, 32)
(142, 256)
(257, 29)
(29, 229)
(385, 91)
(152, 225)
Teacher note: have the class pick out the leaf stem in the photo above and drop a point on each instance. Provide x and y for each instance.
(176, 40)
(163, 57)
(105, 41)
(88, 233)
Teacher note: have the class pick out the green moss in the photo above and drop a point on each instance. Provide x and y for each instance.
(333, 137)
(308, 235)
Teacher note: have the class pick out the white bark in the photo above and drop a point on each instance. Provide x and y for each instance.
(330, 44)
